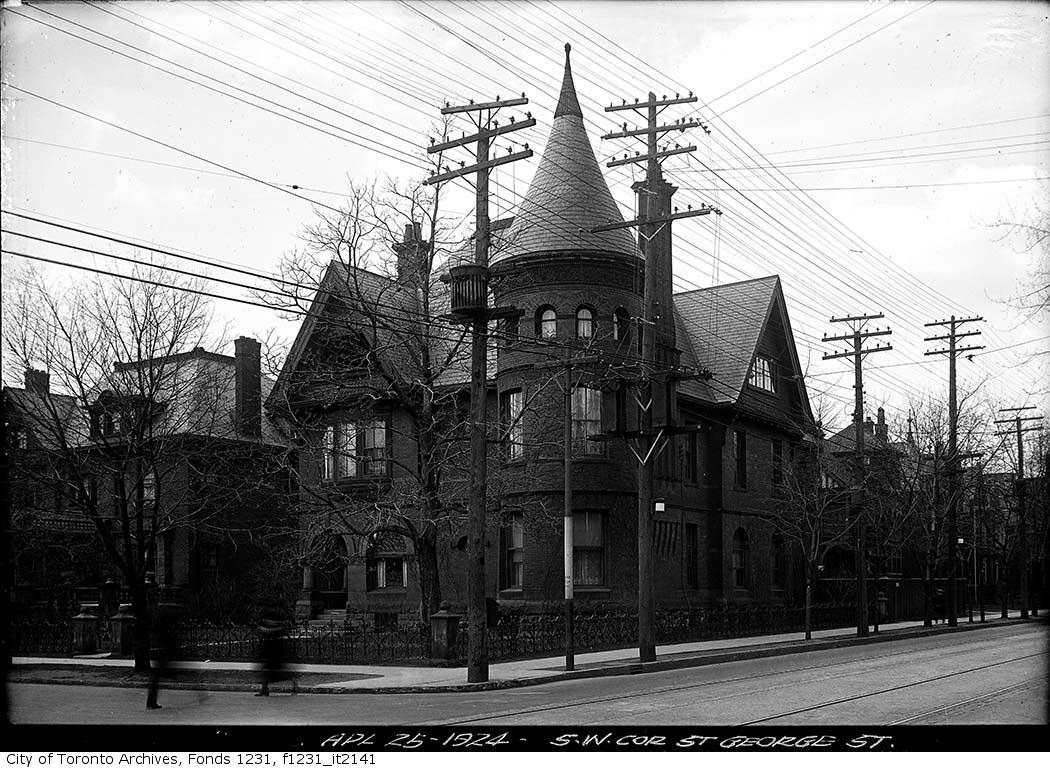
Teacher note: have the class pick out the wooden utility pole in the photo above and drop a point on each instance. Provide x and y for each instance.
(470, 303)
(568, 364)
(953, 351)
(857, 336)
(1020, 490)
(653, 215)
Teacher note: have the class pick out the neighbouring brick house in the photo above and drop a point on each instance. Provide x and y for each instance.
(206, 477)
(574, 289)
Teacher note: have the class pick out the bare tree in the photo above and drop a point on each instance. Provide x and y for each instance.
(122, 427)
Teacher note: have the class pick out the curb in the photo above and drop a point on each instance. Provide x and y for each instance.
(611, 669)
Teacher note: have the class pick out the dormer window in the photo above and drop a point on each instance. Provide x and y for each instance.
(546, 322)
(762, 374)
(584, 323)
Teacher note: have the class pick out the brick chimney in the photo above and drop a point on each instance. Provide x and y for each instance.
(880, 424)
(248, 367)
(38, 381)
(410, 253)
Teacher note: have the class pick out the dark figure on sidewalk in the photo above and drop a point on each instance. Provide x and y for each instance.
(164, 647)
(939, 614)
(273, 641)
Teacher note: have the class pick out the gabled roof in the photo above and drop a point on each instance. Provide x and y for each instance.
(397, 305)
(568, 195)
(724, 324)
(721, 327)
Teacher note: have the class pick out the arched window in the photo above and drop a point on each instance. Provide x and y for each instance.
(740, 563)
(546, 322)
(584, 323)
(621, 324)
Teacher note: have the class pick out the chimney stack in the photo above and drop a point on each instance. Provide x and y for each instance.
(248, 368)
(880, 424)
(37, 381)
(410, 254)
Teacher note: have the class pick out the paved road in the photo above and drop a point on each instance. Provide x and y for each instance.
(995, 676)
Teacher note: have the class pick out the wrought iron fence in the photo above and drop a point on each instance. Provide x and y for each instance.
(42, 637)
(524, 633)
(334, 642)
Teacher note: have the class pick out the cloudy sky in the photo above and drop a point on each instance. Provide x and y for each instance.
(863, 151)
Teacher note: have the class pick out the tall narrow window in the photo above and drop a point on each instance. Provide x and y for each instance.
(584, 323)
(778, 463)
(385, 566)
(740, 563)
(373, 448)
(511, 405)
(586, 421)
(345, 450)
(621, 324)
(692, 461)
(588, 549)
(740, 457)
(546, 322)
(779, 562)
(762, 374)
(513, 555)
(149, 486)
(328, 454)
(692, 556)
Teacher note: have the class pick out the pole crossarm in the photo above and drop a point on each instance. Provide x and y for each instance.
(652, 156)
(479, 167)
(949, 336)
(625, 134)
(1019, 408)
(702, 211)
(861, 334)
(880, 348)
(486, 134)
(1016, 418)
(450, 110)
(652, 102)
(1015, 432)
(953, 321)
(857, 318)
(956, 351)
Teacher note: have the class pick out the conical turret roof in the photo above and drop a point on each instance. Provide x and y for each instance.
(568, 195)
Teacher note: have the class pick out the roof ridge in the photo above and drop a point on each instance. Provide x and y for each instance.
(729, 285)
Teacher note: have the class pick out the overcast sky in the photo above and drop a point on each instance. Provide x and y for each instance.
(909, 127)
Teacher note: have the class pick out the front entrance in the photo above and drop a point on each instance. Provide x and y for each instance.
(330, 572)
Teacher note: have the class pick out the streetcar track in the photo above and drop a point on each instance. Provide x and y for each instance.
(891, 689)
(939, 710)
(675, 688)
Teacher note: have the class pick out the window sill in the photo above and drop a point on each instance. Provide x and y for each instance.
(511, 592)
(589, 589)
(387, 591)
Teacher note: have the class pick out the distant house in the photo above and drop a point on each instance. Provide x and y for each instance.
(574, 289)
(168, 465)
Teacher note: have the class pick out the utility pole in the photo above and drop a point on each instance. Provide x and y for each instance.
(953, 351)
(654, 214)
(568, 364)
(1021, 491)
(470, 305)
(857, 336)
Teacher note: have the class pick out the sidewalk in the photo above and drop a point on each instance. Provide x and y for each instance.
(392, 679)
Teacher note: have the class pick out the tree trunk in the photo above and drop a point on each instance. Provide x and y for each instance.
(140, 609)
(1003, 598)
(927, 596)
(429, 575)
(809, 603)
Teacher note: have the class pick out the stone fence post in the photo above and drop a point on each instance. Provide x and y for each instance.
(85, 630)
(444, 630)
(122, 626)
